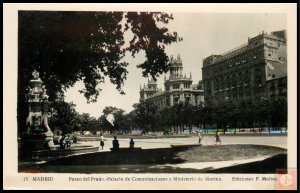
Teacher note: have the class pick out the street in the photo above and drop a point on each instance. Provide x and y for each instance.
(277, 141)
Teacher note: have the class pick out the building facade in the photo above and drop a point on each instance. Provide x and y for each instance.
(251, 71)
(178, 87)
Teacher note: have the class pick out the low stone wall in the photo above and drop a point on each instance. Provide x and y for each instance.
(53, 154)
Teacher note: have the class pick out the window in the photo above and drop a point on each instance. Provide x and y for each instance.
(186, 86)
(168, 102)
(200, 87)
(187, 97)
(176, 86)
(176, 98)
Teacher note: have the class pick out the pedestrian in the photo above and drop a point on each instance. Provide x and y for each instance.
(62, 142)
(101, 141)
(68, 142)
(116, 144)
(200, 136)
(59, 139)
(74, 139)
(131, 143)
(218, 139)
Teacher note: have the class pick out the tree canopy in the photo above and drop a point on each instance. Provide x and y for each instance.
(68, 46)
(64, 117)
(268, 112)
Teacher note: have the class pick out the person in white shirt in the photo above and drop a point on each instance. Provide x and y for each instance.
(101, 141)
(200, 137)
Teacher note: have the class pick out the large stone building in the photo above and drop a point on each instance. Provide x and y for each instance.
(178, 87)
(257, 69)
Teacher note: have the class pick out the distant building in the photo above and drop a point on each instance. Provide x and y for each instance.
(177, 88)
(251, 71)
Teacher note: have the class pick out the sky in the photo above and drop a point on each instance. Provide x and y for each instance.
(203, 34)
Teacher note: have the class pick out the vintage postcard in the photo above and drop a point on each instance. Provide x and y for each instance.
(150, 96)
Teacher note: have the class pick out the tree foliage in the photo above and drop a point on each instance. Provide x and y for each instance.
(64, 117)
(269, 112)
(67, 46)
(70, 46)
(145, 115)
(120, 122)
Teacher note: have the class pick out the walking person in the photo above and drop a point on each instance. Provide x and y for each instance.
(67, 142)
(218, 139)
(200, 137)
(62, 142)
(74, 139)
(131, 143)
(101, 141)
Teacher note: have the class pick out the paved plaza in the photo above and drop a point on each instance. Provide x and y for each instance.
(277, 141)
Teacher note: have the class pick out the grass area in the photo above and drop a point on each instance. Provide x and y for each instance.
(228, 152)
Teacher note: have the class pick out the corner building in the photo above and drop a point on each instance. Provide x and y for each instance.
(249, 72)
(177, 88)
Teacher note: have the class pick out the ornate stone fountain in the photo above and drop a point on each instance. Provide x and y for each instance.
(34, 145)
(38, 132)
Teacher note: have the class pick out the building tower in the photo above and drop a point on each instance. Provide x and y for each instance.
(178, 88)
(148, 90)
(177, 84)
(175, 68)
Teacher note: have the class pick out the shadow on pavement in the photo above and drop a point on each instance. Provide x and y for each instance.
(158, 160)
